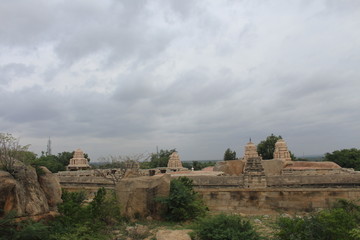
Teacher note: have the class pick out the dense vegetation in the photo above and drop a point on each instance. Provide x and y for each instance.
(77, 220)
(183, 203)
(341, 222)
(347, 158)
(223, 227)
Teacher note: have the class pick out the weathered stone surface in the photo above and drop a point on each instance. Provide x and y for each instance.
(24, 195)
(22, 192)
(173, 235)
(136, 195)
(312, 165)
(273, 167)
(232, 167)
(50, 184)
(271, 201)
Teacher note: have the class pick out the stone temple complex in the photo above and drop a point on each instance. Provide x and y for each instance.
(78, 162)
(249, 185)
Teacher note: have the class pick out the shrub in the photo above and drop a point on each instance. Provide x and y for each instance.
(85, 221)
(183, 202)
(337, 223)
(9, 229)
(225, 227)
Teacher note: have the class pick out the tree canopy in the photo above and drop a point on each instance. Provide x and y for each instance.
(347, 158)
(266, 147)
(229, 155)
(161, 158)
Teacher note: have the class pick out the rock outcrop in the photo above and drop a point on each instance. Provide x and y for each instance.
(28, 194)
(137, 195)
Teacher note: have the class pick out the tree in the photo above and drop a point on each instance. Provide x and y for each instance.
(266, 147)
(183, 203)
(347, 158)
(10, 151)
(229, 155)
(161, 158)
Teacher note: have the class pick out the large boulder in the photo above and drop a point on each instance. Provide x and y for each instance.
(137, 195)
(21, 192)
(50, 184)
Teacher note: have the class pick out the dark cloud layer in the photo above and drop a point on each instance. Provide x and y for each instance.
(124, 77)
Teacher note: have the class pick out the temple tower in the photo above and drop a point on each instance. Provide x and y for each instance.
(254, 174)
(250, 151)
(78, 162)
(174, 161)
(281, 151)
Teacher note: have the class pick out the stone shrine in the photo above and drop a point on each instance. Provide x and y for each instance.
(78, 162)
(174, 161)
(250, 151)
(281, 151)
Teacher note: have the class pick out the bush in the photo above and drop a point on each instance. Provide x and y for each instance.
(337, 223)
(225, 227)
(85, 221)
(183, 202)
(29, 230)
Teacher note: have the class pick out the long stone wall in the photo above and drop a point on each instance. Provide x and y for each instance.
(287, 193)
(270, 201)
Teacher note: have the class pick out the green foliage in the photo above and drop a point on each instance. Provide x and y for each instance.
(337, 223)
(160, 159)
(54, 163)
(198, 165)
(29, 230)
(229, 155)
(266, 147)
(225, 227)
(183, 202)
(85, 221)
(50, 162)
(347, 158)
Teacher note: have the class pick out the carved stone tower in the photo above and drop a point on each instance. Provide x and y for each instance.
(250, 151)
(281, 151)
(254, 174)
(78, 162)
(174, 161)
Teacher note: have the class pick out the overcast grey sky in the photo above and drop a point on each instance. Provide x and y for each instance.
(122, 77)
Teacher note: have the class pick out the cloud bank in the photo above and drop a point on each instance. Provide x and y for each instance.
(122, 77)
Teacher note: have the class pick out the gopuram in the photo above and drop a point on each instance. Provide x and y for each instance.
(78, 162)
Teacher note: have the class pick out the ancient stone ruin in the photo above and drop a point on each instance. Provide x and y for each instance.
(249, 185)
(78, 162)
(281, 151)
(174, 161)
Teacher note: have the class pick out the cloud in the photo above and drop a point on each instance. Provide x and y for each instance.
(124, 77)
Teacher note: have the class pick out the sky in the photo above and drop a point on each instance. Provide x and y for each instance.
(125, 77)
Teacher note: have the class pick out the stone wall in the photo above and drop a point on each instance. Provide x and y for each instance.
(270, 201)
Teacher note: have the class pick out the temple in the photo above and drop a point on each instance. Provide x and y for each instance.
(281, 151)
(78, 162)
(250, 151)
(174, 163)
